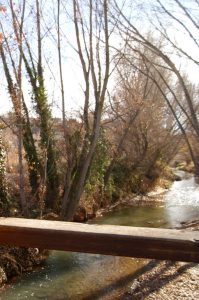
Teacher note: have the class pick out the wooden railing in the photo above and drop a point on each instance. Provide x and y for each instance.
(166, 244)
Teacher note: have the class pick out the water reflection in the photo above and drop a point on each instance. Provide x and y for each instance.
(135, 216)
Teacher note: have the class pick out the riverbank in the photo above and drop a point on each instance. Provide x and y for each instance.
(166, 280)
(153, 198)
(14, 261)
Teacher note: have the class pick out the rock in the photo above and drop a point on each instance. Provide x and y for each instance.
(10, 265)
(176, 177)
(91, 216)
(3, 277)
(15, 260)
(51, 216)
(80, 215)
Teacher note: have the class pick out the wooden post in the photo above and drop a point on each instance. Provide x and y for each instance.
(156, 243)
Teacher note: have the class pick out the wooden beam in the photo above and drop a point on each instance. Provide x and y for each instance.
(166, 244)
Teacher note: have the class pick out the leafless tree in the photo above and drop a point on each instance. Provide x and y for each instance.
(92, 36)
(133, 35)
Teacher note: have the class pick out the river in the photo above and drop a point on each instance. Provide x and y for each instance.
(78, 276)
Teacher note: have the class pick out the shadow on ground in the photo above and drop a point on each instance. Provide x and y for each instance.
(146, 280)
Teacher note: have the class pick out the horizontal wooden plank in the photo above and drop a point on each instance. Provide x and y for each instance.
(169, 244)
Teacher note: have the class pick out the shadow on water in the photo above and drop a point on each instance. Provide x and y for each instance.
(119, 283)
(58, 260)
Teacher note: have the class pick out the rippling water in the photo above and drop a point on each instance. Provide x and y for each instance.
(182, 200)
(78, 276)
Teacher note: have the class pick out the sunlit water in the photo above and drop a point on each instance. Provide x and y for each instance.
(85, 276)
(182, 200)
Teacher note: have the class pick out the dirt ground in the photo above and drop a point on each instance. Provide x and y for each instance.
(166, 280)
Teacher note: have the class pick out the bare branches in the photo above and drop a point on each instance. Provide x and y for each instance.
(85, 65)
(61, 71)
(186, 11)
(133, 34)
(183, 24)
(92, 60)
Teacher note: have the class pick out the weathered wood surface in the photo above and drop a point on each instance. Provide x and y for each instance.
(169, 244)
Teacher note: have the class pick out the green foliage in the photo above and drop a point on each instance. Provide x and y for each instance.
(4, 196)
(43, 110)
(111, 190)
(34, 166)
(137, 177)
(120, 173)
(98, 166)
(48, 159)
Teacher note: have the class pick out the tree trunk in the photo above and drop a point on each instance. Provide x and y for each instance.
(73, 193)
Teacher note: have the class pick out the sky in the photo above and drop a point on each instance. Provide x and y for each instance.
(71, 67)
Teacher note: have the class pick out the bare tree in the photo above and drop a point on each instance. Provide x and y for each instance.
(133, 35)
(145, 132)
(96, 68)
(60, 70)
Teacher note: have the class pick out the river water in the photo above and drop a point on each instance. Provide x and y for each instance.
(78, 276)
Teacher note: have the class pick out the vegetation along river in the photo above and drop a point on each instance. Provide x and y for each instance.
(85, 276)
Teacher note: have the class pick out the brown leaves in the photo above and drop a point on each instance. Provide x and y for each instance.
(2, 9)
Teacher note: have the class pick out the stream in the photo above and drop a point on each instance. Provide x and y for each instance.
(78, 276)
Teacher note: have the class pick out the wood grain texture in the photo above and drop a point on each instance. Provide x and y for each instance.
(168, 244)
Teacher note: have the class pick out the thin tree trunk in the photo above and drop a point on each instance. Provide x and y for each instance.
(21, 172)
(74, 191)
(61, 72)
